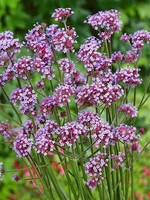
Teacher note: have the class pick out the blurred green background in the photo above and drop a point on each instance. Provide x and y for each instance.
(19, 17)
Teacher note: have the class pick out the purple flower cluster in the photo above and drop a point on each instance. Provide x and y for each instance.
(61, 14)
(46, 105)
(62, 94)
(40, 66)
(60, 97)
(27, 98)
(116, 57)
(126, 134)
(129, 76)
(128, 109)
(98, 92)
(96, 165)
(64, 39)
(99, 130)
(66, 65)
(5, 130)
(28, 127)
(22, 67)
(37, 41)
(131, 57)
(138, 39)
(70, 132)
(92, 59)
(107, 20)
(22, 145)
(8, 44)
(43, 138)
(94, 168)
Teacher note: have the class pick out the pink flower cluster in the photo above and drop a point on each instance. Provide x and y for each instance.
(92, 59)
(64, 39)
(98, 92)
(107, 20)
(138, 39)
(126, 134)
(40, 66)
(100, 131)
(60, 97)
(22, 67)
(116, 57)
(4, 130)
(129, 76)
(27, 98)
(66, 65)
(28, 127)
(94, 168)
(43, 138)
(70, 132)
(61, 14)
(8, 44)
(22, 145)
(128, 109)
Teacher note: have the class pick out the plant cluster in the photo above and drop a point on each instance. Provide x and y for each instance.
(79, 105)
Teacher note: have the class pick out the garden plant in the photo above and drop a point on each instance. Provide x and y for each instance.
(75, 103)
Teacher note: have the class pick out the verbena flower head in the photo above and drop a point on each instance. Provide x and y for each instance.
(62, 94)
(61, 14)
(5, 130)
(94, 168)
(22, 145)
(27, 98)
(106, 20)
(70, 132)
(43, 142)
(43, 67)
(28, 127)
(64, 39)
(35, 37)
(131, 57)
(66, 65)
(8, 44)
(100, 130)
(74, 79)
(98, 92)
(125, 37)
(126, 134)
(22, 67)
(129, 75)
(138, 39)
(46, 105)
(128, 109)
(116, 57)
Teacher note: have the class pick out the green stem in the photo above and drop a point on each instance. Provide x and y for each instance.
(58, 189)
(68, 112)
(132, 180)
